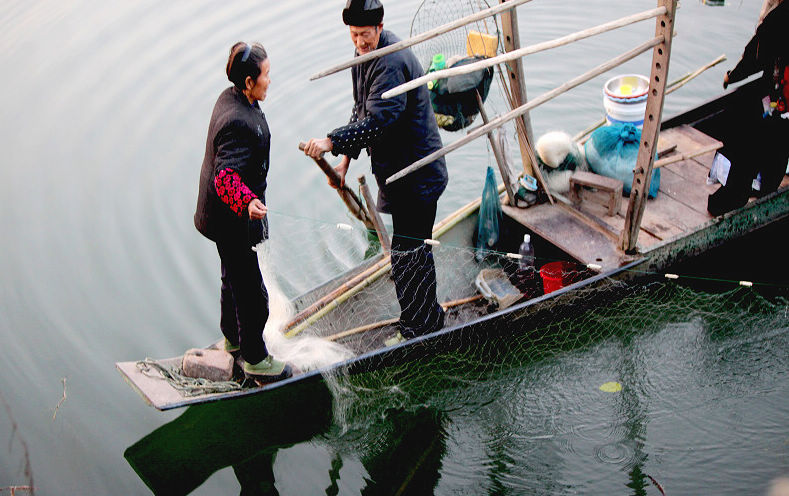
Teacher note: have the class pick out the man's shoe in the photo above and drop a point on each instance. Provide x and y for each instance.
(268, 370)
(394, 340)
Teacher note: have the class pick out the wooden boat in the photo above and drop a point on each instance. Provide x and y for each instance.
(607, 245)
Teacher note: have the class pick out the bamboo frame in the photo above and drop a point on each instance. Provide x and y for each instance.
(522, 52)
(545, 97)
(427, 35)
(504, 170)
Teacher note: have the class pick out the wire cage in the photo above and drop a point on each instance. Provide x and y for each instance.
(433, 13)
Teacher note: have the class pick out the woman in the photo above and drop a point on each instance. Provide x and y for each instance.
(231, 206)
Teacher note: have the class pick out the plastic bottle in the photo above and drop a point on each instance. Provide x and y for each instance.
(527, 278)
(526, 251)
(438, 63)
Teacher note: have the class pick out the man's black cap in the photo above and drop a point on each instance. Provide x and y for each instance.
(363, 13)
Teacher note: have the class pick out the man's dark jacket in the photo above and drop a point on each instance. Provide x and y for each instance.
(238, 139)
(396, 131)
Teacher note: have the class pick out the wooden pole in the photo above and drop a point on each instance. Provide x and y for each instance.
(383, 237)
(642, 175)
(545, 97)
(690, 76)
(348, 196)
(400, 45)
(685, 156)
(517, 85)
(522, 52)
(506, 174)
(672, 87)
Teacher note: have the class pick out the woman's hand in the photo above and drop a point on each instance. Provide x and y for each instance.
(316, 147)
(256, 209)
(342, 170)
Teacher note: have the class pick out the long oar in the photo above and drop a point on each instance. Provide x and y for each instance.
(354, 204)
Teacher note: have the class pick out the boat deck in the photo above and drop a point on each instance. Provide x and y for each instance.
(589, 234)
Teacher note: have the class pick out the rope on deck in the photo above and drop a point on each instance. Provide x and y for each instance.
(187, 386)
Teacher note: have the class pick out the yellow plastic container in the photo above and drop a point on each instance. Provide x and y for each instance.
(481, 44)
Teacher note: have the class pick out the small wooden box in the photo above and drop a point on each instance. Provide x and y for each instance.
(601, 183)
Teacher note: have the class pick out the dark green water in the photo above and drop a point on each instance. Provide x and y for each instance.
(105, 108)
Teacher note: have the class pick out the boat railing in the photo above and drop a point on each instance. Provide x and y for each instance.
(660, 44)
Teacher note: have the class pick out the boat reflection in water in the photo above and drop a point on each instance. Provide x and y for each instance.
(403, 454)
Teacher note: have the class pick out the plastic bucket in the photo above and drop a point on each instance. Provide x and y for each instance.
(625, 99)
(556, 275)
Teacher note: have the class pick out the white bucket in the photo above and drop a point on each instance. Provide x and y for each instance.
(625, 99)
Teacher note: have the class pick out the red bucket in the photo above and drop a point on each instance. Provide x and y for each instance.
(556, 275)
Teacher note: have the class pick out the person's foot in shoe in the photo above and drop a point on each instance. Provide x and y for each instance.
(395, 339)
(229, 347)
(268, 370)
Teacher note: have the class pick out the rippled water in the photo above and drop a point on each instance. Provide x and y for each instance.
(105, 109)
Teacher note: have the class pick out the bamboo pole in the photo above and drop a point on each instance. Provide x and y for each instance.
(642, 174)
(383, 237)
(504, 170)
(427, 35)
(545, 97)
(686, 156)
(522, 52)
(341, 298)
(336, 293)
(679, 83)
(347, 195)
(672, 87)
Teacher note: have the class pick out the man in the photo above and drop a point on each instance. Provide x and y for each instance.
(396, 132)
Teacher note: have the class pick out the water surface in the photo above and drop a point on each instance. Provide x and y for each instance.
(105, 110)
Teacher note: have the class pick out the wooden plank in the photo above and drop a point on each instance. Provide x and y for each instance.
(568, 232)
(687, 140)
(691, 193)
(512, 42)
(642, 174)
(665, 217)
(154, 389)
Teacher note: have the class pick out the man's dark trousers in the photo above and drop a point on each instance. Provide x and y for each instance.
(413, 268)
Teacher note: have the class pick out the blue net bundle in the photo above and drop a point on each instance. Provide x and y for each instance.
(611, 151)
(489, 217)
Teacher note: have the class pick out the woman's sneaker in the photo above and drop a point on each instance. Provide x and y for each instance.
(229, 347)
(268, 370)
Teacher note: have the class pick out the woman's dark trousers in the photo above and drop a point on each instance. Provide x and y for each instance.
(244, 300)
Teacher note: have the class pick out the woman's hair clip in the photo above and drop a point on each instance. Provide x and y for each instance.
(246, 53)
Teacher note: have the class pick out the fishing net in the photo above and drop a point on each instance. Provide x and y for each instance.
(332, 297)
(602, 386)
